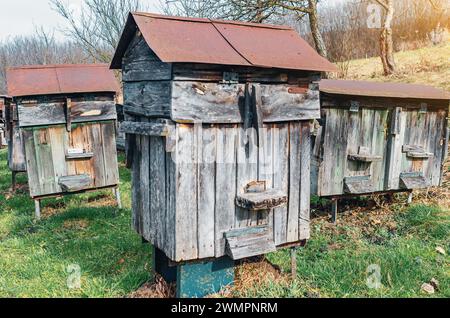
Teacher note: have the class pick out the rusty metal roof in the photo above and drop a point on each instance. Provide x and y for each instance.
(60, 79)
(378, 89)
(194, 40)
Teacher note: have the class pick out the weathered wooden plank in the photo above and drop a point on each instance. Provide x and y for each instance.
(77, 141)
(186, 202)
(305, 182)
(282, 103)
(152, 128)
(44, 114)
(269, 199)
(147, 187)
(98, 164)
(286, 225)
(335, 144)
(33, 174)
(146, 70)
(110, 153)
(151, 99)
(139, 49)
(250, 243)
(41, 114)
(158, 189)
(266, 135)
(221, 103)
(225, 187)
(44, 162)
(75, 183)
(206, 140)
(58, 143)
(136, 197)
(206, 102)
(413, 180)
(170, 212)
(358, 185)
(364, 158)
(394, 165)
(16, 150)
(75, 156)
(247, 171)
(214, 73)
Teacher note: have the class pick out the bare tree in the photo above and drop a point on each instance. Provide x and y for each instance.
(39, 49)
(386, 42)
(98, 26)
(251, 10)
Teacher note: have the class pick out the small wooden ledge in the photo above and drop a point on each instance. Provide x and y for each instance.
(75, 183)
(413, 180)
(416, 152)
(419, 155)
(75, 156)
(358, 185)
(364, 158)
(248, 242)
(265, 200)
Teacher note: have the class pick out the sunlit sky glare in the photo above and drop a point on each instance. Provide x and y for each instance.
(21, 17)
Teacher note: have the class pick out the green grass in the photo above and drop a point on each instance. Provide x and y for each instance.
(335, 262)
(34, 256)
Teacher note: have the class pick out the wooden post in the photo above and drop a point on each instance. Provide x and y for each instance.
(13, 181)
(118, 198)
(334, 210)
(37, 209)
(294, 263)
(410, 197)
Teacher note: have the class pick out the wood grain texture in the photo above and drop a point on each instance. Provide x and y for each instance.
(43, 114)
(150, 99)
(222, 103)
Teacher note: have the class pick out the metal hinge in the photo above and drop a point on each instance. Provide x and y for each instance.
(354, 106)
(230, 78)
(423, 108)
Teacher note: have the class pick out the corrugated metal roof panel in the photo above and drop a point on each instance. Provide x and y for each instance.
(60, 79)
(188, 40)
(268, 47)
(378, 89)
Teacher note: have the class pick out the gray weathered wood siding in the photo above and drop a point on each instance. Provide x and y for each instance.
(383, 127)
(16, 147)
(46, 152)
(69, 142)
(426, 131)
(184, 200)
(185, 180)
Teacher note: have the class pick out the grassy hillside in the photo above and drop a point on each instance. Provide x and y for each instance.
(430, 66)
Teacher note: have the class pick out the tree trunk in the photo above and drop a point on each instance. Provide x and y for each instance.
(315, 28)
(386, 42)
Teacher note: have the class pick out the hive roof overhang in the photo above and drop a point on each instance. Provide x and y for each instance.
(60, 79)
(379, 89)
(195, 40)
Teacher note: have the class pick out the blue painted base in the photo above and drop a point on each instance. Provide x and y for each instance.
(195, 280)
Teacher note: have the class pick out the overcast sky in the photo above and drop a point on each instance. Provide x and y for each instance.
(20, 17)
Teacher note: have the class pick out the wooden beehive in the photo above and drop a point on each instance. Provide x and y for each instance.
(4, 100)
(218, 137)
(16, 150)
(67, 117)
(379, 137)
